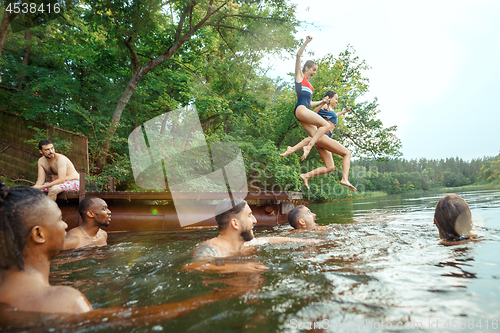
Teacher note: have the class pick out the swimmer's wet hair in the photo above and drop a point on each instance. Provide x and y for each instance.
(294, 216)
(43, 143)
(226, 210)
(17, 205)
(84, 206)
(452, 217)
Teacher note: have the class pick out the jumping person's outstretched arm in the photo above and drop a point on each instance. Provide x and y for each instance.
(320, 104)
(299, 76)
(324, 101)
(347, 109)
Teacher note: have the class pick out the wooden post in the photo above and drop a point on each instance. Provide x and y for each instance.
(112, 184)
(81, 193)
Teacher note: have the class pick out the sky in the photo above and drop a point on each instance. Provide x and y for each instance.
(435, 67)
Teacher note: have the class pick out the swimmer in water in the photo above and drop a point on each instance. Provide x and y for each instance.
(95, 215)
(301, 217)
(31, 234)
(313, 123)
(236, 221)
(452, 217)
(326, 146)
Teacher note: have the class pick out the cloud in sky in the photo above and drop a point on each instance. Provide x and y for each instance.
(434, 64)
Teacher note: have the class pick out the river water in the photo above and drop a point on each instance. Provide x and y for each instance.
(380, 267)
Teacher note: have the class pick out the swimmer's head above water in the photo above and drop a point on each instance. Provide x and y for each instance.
(453, 219)
(27, 216)
(235, 211)
(301, 217)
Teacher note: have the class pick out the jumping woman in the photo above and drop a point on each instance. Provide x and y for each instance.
(326, 146)
(313, 123)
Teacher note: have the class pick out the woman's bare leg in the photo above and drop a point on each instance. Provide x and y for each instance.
(306, 116)
(301, 144)
(336, 148)
(326, 156)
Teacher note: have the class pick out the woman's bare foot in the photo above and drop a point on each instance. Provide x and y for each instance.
(287, 152)
(304, 179)
(348, 185)
(307, 150)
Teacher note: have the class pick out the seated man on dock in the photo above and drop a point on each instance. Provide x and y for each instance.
(61, 170)
(235, 220)
(95, 214)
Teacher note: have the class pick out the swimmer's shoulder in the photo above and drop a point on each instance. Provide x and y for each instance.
(72, 239)
(65, 299)
(103, 234)
(206, 250)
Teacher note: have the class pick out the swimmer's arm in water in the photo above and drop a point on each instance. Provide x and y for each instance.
(281, 240)
(210, 266)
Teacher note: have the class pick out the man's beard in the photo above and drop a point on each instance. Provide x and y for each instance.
(247, 235)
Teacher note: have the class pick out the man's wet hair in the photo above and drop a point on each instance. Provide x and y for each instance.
(19, 206)
(85, 205)
(226, 210)
(452, 216)
(43, 143)
(294, 216)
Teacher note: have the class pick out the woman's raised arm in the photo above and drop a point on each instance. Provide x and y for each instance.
(298, 68)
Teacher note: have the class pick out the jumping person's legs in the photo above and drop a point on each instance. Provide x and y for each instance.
(298, 146)
(326, 156)
(310, 120)
(336, 148)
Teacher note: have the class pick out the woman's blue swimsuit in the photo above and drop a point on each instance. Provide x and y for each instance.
(304, 92)
(330, 115)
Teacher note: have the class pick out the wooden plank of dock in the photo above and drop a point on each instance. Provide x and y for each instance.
(155, 195)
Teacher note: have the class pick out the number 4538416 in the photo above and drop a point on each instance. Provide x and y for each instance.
(471, 324)
(33, 8)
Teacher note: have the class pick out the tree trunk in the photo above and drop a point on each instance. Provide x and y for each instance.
(4, 28)
(27, 38)
(143, 71)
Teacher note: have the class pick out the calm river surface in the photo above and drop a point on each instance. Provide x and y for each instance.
(380, 267)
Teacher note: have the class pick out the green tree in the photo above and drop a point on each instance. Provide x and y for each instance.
(490, 170)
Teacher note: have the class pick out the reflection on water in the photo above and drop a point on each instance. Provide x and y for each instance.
(380, 261)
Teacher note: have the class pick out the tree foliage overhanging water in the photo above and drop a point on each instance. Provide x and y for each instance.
(103, 68)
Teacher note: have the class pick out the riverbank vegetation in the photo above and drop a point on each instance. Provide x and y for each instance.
(103, 68)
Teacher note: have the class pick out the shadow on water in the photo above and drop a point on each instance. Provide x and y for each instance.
(380, 262)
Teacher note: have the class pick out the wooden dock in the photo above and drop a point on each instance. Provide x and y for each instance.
(155, 210)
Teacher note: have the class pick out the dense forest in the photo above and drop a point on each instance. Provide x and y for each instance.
(102, 68)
